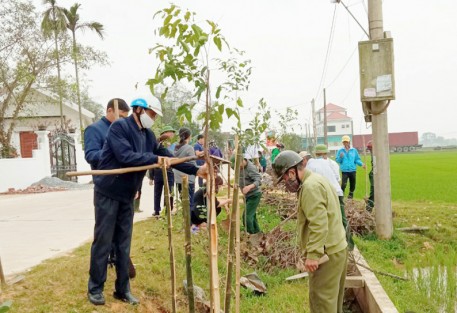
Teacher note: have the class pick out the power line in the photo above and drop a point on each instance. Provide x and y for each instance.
(329, 45)
(344, 66)
(347, 9)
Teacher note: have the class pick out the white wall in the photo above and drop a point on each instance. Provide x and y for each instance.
(19, 173)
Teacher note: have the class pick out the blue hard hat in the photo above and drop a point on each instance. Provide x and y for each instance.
(154, 104)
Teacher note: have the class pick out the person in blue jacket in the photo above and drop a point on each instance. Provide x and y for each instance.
(348, 158)
(129, 142)
(94, 137)
(95, 134)
(198, 147)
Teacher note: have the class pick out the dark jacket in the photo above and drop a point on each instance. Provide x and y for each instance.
(126, 146)
(94, 137)
(199, 147)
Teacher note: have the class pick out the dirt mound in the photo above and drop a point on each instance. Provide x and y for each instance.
(48, 184)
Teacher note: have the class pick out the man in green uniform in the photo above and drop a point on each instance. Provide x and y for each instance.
(320, 230)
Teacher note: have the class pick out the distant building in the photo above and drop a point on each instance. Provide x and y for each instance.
(41, 111)
(338, 124)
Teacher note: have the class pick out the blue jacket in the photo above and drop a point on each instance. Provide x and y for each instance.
(349, 161)
(126, 145)
(94, 137)
(199, 147)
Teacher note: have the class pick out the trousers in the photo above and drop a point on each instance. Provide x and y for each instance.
(113, 227)
(351, 176)
(326, 284)
(250, 216)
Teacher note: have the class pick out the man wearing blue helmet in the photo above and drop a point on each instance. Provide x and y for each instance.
(129, 142)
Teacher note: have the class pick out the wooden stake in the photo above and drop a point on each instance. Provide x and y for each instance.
(173, 161)
(116, 109)
(228, 182)
(170, 235)
(232, 231)
(213, 235)
(188, 243)
(2, 276)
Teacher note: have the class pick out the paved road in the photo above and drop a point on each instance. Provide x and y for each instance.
(35, 227)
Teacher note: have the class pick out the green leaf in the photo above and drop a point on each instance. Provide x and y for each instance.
(229, 112)
(218, 43)
(5, 306)
(167, 20)
(187, 16)
(239, 102)
(218, 92)
(197, 30)
(221, 110)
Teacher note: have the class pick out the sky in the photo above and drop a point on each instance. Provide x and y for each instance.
(287, 42)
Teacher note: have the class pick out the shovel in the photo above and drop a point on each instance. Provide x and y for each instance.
(305, 274)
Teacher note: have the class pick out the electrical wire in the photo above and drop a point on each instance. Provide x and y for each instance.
(329, 45)
(355, 19)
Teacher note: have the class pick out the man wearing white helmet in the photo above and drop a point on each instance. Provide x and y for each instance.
(129, 142)
(348, 158)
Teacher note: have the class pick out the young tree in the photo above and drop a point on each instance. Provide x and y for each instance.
(185, 56)
(73, 24)
(53, 24)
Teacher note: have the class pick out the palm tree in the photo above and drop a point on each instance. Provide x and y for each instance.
(73, 24)
(52, 24)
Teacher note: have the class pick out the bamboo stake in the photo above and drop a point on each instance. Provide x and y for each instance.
(366, 167)
(232, 230)
(214, 240)
(238, 248)
(170, 235)
(2, 276)
(188, 243)
(173, 161)
(116, 109)
(228, 182)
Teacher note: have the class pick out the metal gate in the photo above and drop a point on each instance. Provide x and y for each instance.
(63, 155)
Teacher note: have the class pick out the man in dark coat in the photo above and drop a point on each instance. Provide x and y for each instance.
(129, 143)
(94, 137)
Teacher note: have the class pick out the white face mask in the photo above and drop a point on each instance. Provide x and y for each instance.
(146, 120)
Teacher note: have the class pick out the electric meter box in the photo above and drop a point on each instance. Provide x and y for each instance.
(376, 61)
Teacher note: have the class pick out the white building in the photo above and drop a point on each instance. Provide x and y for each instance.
(338, 125)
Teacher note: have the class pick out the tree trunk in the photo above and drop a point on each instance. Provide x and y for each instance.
(188, 243)
(59, 81)
(170, 237)
(75, 58)
(232, 231)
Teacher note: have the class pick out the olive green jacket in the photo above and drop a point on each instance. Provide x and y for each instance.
(320, 227)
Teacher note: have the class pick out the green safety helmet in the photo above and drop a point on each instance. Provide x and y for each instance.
(284, 161)
(321, 149)
(167, 129)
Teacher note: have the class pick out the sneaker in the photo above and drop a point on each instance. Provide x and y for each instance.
(156, 215)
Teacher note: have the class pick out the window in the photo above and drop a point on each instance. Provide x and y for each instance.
(331, 129)
(343, 126)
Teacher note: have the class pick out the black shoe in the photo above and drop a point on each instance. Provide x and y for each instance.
(126, 297)
(96, 298)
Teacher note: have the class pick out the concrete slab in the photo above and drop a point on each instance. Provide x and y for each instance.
(35, 227)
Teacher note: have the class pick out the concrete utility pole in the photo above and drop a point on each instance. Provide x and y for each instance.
(325, 120)
(314, 124)
(383, 202)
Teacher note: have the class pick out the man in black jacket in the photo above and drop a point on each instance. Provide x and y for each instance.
(129, 142)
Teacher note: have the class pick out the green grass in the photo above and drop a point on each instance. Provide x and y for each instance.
(424, 186)
(421, 196)
(418, 176)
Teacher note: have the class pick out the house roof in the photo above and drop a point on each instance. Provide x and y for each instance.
(67, 103)
(333, 108)
(334, 116)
